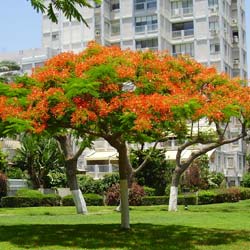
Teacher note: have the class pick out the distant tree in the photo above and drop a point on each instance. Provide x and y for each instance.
(38, 155)
(156, 170)
(70, 8)
(9, 70)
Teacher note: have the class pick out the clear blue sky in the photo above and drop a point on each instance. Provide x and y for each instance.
(20, 26)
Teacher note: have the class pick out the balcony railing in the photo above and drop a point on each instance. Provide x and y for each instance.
(182, 33)
(144, 29)
(183, 53)
(182, 12)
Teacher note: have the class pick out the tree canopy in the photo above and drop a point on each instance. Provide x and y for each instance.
(124, 96)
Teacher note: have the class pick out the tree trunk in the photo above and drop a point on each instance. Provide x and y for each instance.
(78, 198)
(174, 190)
(125, 172)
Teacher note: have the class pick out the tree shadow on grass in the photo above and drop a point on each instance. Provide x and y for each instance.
(110, 236)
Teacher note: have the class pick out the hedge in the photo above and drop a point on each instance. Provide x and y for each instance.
(22, 201)
(90, 199)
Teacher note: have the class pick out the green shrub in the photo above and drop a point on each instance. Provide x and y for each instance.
(246, 180)
(154, 200)
(15, 173)
(149, 191)
(244, 193)
(90, 199)
(109, 180)
(24, 201)
(206, 197)
(228, 195)
(31, 193)
(88, 185)
(189, 199)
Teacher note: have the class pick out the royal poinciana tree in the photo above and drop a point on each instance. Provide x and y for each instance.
(121, 96)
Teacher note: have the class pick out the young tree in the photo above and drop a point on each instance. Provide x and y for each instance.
(121, 96)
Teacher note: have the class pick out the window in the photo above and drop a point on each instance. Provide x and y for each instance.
(145, 4)
(212, 3)
(213, 25)
(183, 26)
(183, 49)
(214, 48)
(230, 162)
(115, 28)
(143, 44)
(149, 22)
(114, 5)
(55, 36)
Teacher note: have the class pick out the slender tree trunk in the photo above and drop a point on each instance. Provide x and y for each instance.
(71, 166)
(124, 171)
(174, 190)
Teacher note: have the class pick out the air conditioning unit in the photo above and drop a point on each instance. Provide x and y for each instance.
(98, 32)
(234, 21)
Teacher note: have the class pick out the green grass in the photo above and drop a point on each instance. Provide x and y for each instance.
(209, 227)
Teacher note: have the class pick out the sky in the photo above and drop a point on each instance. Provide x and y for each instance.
(20, 26)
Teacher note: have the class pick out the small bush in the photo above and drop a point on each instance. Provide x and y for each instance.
(88, 185)
(149, 191)
(113, 195)
(3, 185)
(228, 195)
(244, 193)
(246, 180)
(109, 180)
(206, 197)
(136, 193)
(189, 199)
(31, 193)
(154, 200)
(90, 199)
(22, 201)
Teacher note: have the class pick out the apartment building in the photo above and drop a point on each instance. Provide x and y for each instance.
(211, 31)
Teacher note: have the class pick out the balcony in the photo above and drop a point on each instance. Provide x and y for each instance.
(183, 53)
(145, 29)
(181, 12)
(181, 34)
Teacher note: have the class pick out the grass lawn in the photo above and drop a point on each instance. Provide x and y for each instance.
(211, 227)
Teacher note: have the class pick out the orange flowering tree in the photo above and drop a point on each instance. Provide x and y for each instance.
(123, 97)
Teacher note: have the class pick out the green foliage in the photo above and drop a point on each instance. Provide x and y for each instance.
(8, 66)
(244, 193)
(90, 199)
(154, 200)
(156, 173)
(88, 185)
(109, 180)
(39, 155)
(246, 180)
(24, 192)
(57, 178)
(36, 201)
(3, 161)
(14, 172)
(149, 191)
(3, 185)
(70, 8)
